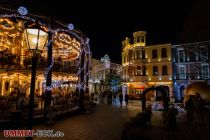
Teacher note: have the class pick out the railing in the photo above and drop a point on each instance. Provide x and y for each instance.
(112, 66)
(191, 76)
(194, 59)
(61, 105)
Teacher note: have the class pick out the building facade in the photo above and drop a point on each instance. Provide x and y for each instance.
(145, 66)
(100, 72)
(190, 64)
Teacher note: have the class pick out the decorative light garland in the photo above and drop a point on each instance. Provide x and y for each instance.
(48, 88)
(22, 14)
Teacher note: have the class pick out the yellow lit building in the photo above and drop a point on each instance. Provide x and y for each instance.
(145, 66)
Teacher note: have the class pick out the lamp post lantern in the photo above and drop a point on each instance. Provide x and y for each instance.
(36, 40)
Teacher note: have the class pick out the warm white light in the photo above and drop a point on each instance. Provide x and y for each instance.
(160, 78)
(35, 32)
(34, 40)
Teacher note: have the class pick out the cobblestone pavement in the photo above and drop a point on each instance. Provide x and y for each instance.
(105, 123)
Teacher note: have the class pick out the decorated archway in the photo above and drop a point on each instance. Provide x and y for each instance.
(162, 90)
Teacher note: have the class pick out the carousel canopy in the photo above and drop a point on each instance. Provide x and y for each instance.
(65, 45)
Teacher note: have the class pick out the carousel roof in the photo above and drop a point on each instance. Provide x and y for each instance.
(65, 45)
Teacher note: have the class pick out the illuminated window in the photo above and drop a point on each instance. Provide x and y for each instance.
(142, 39)
(138, 54)
(155, 70)
(137, 39)
(154, 53)
(181, 55)
(138, 70)
(130, 54)
(144, 71)
(203, 54)
(143, 54)
(163, 52)
(164, 70)
(205, 71)
(182, 72)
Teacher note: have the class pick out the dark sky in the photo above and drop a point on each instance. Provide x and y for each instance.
(107, 23)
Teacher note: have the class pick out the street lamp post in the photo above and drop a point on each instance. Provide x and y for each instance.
(36, 40)
(47, 95)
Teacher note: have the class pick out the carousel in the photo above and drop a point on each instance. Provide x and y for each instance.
(16, 34)
(42, 66)
(15, 57)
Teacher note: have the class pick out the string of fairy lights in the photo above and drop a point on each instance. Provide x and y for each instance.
(85, 48)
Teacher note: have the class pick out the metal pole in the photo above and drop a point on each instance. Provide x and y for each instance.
(81, 90)
(47, 96)
(87, 73)
(32, 88)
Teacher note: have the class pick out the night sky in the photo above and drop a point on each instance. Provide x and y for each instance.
(107, 23)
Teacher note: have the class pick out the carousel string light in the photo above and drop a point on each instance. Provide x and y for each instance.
(22, 14)
(86, 44)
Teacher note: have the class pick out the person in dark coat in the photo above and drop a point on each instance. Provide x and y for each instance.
(171, 116)
(126, 98)
(189, 106)
(121, 99)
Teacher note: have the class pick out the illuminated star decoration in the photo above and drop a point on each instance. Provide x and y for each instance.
(22, 10)
(70, 26)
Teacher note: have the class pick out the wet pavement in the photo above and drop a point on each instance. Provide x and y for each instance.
(105, 123)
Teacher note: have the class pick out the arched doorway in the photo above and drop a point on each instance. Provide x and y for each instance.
(181, 93)
(160, 89)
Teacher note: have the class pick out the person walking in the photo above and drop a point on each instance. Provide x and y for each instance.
(121, 99)
(171, 124)
(126, 99)
(189, 106)
(114, 99)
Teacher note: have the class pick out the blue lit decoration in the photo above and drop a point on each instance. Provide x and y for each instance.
(70, 26)
(86, 49)
(48, 88)
(22, 10)
(157, 106)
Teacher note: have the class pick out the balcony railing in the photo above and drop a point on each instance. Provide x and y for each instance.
(185, 59)
(191, 76)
